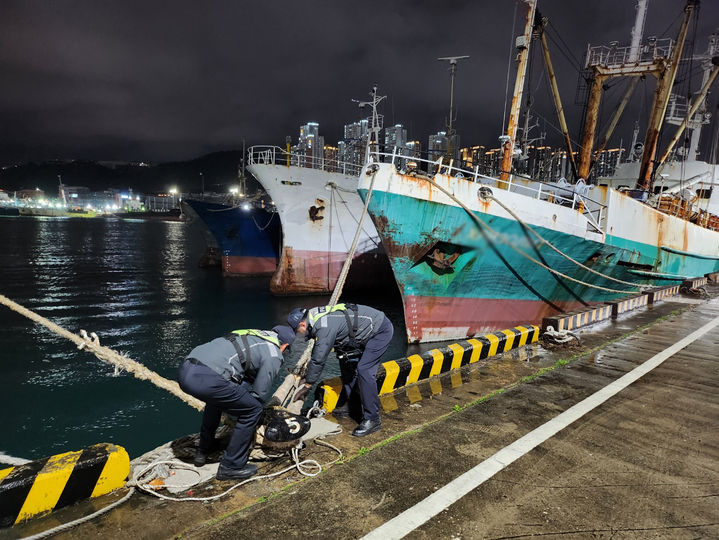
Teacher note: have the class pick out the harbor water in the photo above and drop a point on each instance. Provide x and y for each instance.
(135, 283)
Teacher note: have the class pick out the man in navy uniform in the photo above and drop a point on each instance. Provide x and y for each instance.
(234, 374)
(360, 336)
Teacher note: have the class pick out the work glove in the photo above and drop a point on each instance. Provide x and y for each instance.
(273, 402)
(301, 393)
(268, 410)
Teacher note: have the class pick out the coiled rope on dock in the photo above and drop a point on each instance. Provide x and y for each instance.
(120, 362)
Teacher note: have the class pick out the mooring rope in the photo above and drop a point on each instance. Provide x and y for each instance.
(541, 239)
(80, 521)
(336, 188)
(307, 467)
(482, 223)
(285, 391)
(91, 344)
(266, 224)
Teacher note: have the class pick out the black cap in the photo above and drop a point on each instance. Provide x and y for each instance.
(295, 317)
(285, 334)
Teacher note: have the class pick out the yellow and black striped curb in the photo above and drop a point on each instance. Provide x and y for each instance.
(713, 277)
(661, 293)
(628, 303)
(40, 486)
(415, 393)
(694, 282)
(396, 374)
(575, 319)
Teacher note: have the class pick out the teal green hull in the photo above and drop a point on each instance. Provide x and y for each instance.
(458, 279)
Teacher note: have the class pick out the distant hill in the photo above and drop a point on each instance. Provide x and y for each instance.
(218, 170)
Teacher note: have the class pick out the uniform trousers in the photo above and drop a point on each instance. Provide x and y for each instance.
(221, 395)
(362, 374)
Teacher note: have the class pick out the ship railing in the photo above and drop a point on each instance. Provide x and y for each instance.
(567, 195)
(274, 155)
(614, 56)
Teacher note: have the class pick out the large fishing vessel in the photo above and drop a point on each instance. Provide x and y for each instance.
(319, 209)
(247, 233)
(472, 253)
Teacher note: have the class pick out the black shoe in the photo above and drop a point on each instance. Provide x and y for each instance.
(201, 455)
(366, 427)
(341, 412)
(225, 473)
(200, 458)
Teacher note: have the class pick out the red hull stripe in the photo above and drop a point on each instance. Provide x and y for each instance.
(397, 374)
(235, 265)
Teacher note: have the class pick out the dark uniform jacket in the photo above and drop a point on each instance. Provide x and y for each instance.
(221, 356)
(330, 330)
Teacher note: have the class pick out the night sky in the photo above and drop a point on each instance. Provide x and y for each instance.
(158, 81)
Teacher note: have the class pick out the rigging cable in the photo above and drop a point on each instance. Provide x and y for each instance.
(338, 189)
(567, 52)
(544, 241)
(509, 65)
(484, 224)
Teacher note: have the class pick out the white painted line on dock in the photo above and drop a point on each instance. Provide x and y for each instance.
(440, 500)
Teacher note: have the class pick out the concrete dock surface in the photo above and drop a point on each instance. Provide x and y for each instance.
(642, 464)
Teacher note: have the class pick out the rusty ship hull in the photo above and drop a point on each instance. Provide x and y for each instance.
(459, 278)
(319, 210)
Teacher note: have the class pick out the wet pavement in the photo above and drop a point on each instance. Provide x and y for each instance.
(645, 464)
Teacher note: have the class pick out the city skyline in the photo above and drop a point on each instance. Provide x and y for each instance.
(114, 82)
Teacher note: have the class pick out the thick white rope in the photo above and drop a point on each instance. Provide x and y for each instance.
(80, 521)
(286, 390)
(482, 223)
(12, 460)
(307, 467)
(119, 361)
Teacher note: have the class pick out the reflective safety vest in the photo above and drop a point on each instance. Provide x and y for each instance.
(244, 351)
(264, 334)
(315, 314)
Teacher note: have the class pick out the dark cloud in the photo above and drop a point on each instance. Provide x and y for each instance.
(170, 80)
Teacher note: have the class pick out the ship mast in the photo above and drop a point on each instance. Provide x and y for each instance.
(376, 122)
(661, 100)
(540, 28)
(450, 127)
(509, 139)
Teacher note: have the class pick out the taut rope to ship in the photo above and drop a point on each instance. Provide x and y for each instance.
(544, 241)
(482, 223)
(285, 390)
(121, 362)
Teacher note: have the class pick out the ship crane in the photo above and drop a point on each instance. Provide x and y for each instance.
(658, 57)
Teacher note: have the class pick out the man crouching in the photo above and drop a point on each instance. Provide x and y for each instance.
(234, 374)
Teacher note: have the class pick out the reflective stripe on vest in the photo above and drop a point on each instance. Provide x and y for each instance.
(315, 314)
(263, 334)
